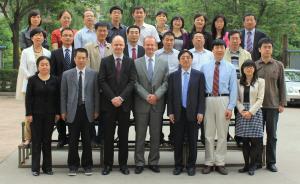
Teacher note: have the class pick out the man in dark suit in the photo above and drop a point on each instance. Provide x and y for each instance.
(62, 59)
(251, 36)
(117, 76)
(80, 107)
(186, 104)
(132, 49)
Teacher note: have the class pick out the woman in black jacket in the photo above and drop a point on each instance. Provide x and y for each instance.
(42, 110)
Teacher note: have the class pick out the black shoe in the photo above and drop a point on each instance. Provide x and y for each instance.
(35, 173)
(124, 170)
(243, 170)
(72, 172)
(48, 172)
(272, 168)
(154, 168)
(207, 169)
(61, 144)
(258, 166)
(222, 170)
(191, 171)
(106, 170)
(177, 170)
(251, 172)
(88, 172)
(138, 169)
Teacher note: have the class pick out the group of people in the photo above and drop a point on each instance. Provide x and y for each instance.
(106, 70)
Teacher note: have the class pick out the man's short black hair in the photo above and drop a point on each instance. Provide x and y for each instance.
(137, 8)
(168, 33)
(161, 12)
(193, 35)
(265, 41)
(66, 29)
(218, 42)
(115, 8)
(133, 26)
(100, 24)
(184, 51)
(81, 50)
(248, 15)
(232, 32)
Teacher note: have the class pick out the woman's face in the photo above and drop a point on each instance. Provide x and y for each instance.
(35, 20)
(44, 67)
(199, 22)
(177, 23)
(249, 70)
(38, 39)
(65, 20)
(219, 23)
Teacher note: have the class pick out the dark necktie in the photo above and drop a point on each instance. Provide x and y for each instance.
(67, 59)
(249, 42)
(118, 68)
(216, 80)
(133, 53)
(80, 89)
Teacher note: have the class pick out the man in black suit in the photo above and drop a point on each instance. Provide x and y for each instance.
(132, 49)
(117, 76)
(251, 36)
(63, 59)
(186, 105)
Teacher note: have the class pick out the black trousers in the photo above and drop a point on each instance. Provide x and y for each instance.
(80, 126)
(61, 129)
(110, 119)
(41, 132)
(251, 149)
(181, 128)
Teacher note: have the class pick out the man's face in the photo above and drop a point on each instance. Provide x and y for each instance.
(101, 33)
(150, 46)
(249, 22)
(139, 15)
(80, 59)
(89, 18)
(118, 45)
(198, 40)
(67, 37)
(168, 42)
(218, 51)
(116, 15)
(266, 50)
(133, 35)
(234, 41)
(185, 60)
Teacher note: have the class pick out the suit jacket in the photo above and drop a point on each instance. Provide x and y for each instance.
(140, 51)
(257, 36)
(112, 88)
(69, 94)
(94, 58)
(195, 95)
(143, 86)
(256, 96)
(58, 62)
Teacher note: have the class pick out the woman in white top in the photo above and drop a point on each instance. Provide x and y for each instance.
(28, 68)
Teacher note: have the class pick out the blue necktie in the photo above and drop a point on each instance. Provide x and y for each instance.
(185, 88)
(150, 69)
(68, 59)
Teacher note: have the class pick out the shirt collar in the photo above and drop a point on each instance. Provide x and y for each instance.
(196, 51)
(252, 31)
(261, 61)
(130, 46)
(188, 71)
(64, 48)
(83, 70)
(115, 57)
(101, 44)
(147, 58)
(111, 26)
(87, 29)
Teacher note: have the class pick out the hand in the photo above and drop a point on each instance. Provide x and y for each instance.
(29, 119)
(63, 116)
(199, 118)
(280, 109)
(228, 114)
(96, 115)
(116, 102)
(172, 118)
(57, 117)
(152, 99)
(247, 115)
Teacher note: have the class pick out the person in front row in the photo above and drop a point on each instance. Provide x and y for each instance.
(80, 107)
(42, 110)
(149, 104)
(186, 105)
(249, 123)
(117, 76)
(221, 96)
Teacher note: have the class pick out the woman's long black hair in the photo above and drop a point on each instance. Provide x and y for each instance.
(243, 79)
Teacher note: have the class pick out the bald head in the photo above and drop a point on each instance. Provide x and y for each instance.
(118, 45)
(150, 46)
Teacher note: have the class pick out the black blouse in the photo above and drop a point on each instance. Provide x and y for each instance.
(246, 94)
(42, 96)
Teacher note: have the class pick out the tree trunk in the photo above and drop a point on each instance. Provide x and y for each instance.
(15, 39)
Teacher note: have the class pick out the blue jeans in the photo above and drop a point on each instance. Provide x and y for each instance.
(270, 119)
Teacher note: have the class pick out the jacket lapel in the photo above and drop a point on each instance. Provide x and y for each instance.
(144, 68)
(74, 78)
(86, 78)
(177, 78)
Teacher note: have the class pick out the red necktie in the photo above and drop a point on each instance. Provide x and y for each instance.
(133, 53)
(216, 80)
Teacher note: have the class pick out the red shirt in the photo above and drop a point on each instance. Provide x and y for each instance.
(56, 37)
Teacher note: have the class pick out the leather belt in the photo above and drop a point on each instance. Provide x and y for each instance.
(212, 95)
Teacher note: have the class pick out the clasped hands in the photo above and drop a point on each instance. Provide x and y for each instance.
(152, 99)
(117, 101)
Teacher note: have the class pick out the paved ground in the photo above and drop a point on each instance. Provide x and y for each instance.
(12, 113)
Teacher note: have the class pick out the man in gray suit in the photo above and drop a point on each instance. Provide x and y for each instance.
(151, 86)
(79, 107)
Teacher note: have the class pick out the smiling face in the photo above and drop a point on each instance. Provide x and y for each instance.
(185, 60)
(177, 23)
(218, 51)
(234, 42)
(118, 45)
(249, 71)
(35, 20)
(198, 40)
(199, 23)
(101, 33)
(65, 19)
(249, 22)
(133, 35)
(37, 39)
(139, 15)
(150, 46)
(67, 37)
(89, 18)
(161, 19)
